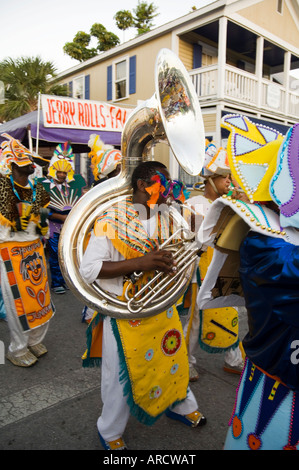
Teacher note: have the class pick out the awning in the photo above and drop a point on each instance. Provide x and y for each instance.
(18, 128)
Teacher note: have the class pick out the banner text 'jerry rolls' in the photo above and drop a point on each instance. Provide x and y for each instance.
(82, 114)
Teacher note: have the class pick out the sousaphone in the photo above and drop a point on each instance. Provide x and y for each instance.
(171, 115)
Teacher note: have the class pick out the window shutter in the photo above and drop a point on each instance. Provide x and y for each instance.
(70, 89)
(132, 75)
(197, 56)
(87, 87)
(109, 82)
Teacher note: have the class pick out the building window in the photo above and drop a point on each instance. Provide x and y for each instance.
(121, 79)
(279, 6)
(78, 87)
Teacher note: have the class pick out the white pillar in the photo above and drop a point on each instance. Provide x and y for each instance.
(259, 57)
(221, 56)
(286, 80)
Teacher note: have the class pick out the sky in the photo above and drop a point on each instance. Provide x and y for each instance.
(33, 28)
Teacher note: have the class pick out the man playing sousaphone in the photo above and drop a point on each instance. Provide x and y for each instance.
(144, 361)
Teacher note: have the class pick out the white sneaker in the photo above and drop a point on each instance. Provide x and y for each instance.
(26, 360)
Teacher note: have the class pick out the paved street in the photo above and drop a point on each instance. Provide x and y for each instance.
(54, 405)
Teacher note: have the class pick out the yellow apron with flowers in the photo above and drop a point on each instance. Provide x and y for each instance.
(26, 272)
(152, 350)
(219, 327)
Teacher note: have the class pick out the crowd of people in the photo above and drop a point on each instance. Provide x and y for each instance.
(247, 235)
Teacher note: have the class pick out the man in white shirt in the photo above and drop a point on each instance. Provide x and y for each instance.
(149, 354)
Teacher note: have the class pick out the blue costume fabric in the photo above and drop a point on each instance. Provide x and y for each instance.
(266, 413)
(56, 275)
(2, 307)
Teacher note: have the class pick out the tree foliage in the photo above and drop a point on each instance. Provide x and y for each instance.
(78, 48)
(23, 79)
(141, 19)
(144, 15)
(124, 19)
(106, 40)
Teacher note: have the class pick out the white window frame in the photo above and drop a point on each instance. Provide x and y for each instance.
(75, 81)
(114, 81)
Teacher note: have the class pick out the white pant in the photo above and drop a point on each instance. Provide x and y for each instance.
(19, 339)
(115, 413)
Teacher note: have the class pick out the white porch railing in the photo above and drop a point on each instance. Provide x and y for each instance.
(245, 88)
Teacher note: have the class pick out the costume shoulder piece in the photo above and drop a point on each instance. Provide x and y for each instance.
(229, 220)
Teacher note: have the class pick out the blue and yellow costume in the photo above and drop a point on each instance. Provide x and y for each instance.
(63, 196)
(266, 410)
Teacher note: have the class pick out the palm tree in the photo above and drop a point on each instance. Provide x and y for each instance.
(144, 14)
(23, 79)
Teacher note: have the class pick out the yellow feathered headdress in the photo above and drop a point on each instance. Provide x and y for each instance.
(62, 160)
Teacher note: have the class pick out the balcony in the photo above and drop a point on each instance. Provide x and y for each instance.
(246, 90)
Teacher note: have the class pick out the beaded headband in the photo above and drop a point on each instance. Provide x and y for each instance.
(252, 151)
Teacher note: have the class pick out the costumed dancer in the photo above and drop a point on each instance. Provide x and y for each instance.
(265, 233)
(144, 361)
(105, 163)
(64, 188)
(104, 159)
(211, 325)
(24, 280)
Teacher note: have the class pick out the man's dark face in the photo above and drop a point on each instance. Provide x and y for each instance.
(25, 170)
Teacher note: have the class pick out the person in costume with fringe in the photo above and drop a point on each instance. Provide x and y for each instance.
(105, 163)
(266, 236)
(214, 328)
(64, 188)
(144, 361)
(24, 280)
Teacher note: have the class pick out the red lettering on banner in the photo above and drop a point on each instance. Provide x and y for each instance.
(67, 119)
(96, 115)
(112, 108)
(86, 115)
(49, 116)
(64, 112)
(118, 118)
(54, 112)
(91, 115)
(59, 109)
(124, 117)
(72, 111)
(80, 114)
(102, 115)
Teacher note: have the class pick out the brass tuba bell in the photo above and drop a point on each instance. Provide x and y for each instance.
(172, 115)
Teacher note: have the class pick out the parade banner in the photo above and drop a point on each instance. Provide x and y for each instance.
(64, 112)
